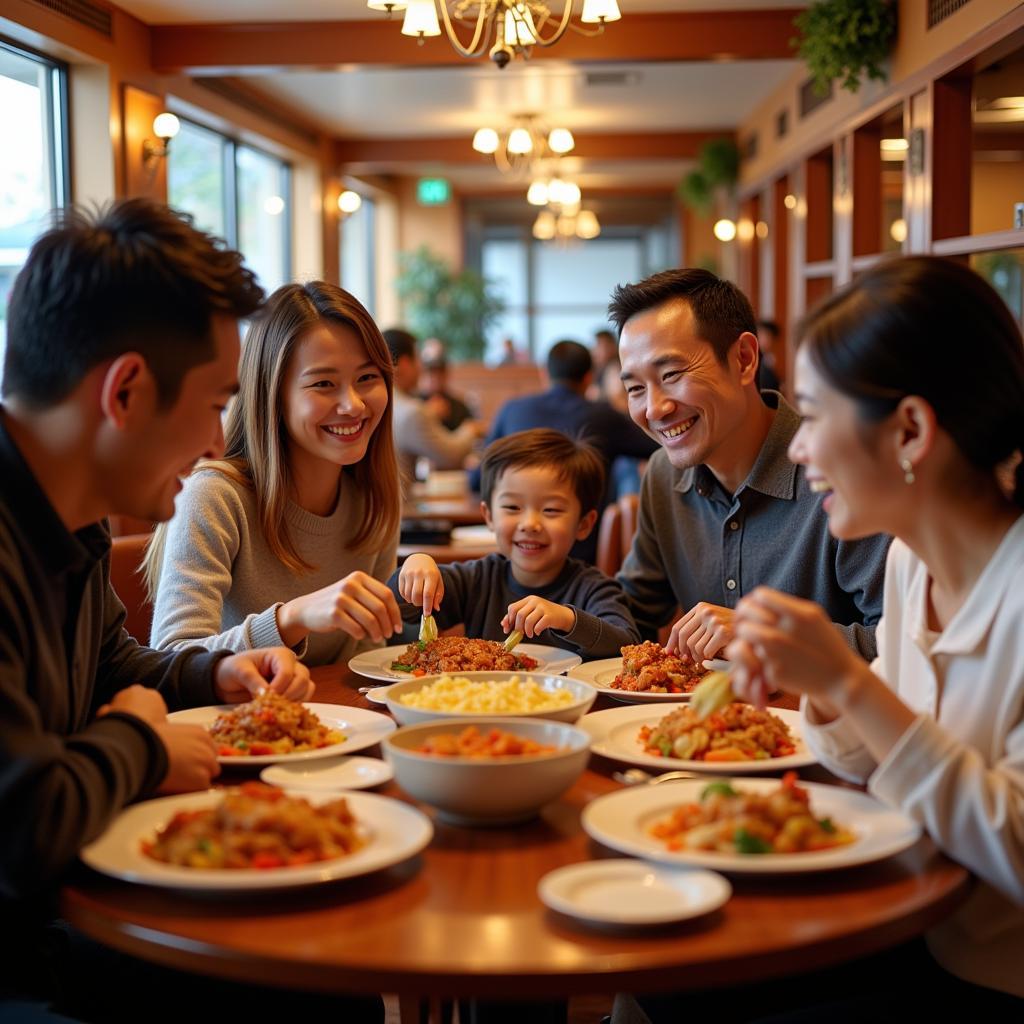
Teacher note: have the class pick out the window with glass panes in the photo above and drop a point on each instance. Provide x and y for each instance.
(237, 192)
(33, 173)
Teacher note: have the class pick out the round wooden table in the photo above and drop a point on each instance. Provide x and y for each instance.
(464, 919)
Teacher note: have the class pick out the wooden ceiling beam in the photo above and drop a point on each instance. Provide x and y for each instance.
(459, 150)
(255, 48)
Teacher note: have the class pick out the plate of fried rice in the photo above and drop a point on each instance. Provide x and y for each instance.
(270, 729)
(739, 739)
(257, 837)
(449, 654)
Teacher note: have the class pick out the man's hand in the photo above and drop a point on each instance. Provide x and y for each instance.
(140, 701)
(242, 676)
(358, 605)
(702, 632)
(532, 615)
(420, 583)
(191, 757)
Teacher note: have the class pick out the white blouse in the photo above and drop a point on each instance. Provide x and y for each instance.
(959, 769)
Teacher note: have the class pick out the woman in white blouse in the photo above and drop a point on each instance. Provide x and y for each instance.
(911, 387)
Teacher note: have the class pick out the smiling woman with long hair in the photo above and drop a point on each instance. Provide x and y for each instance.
(288, 537)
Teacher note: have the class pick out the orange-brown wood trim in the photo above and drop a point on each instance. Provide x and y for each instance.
(867, 189)
(259, 46)
(459, 150)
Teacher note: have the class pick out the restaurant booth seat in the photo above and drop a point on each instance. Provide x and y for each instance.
(609, 540)
(126, 554)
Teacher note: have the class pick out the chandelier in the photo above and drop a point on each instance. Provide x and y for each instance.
(564, 218)
(510, 28)
(526, 144)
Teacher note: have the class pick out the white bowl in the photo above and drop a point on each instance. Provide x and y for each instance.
(488, 791)
(406, 715)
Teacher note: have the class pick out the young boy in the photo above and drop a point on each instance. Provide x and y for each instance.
(540, 492)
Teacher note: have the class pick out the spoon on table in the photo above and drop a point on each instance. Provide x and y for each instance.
(638, 777)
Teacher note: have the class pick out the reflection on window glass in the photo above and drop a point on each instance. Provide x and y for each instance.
(195, 177)
(1005, 272)
(32, 179)
(263, 215)
(237, 193)
(358, 254)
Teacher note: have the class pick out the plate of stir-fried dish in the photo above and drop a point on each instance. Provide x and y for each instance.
(736, 739)
(269, 729)
(452, 654)
(257, 837)
(750, 826)
(645, 674)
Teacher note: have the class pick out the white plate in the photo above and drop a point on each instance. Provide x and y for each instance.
(361, 729)
(631, 892)
(621, 821)
(333, 774)
(376, 664)
(614, 734)
(600, 675)
(395, 832)
(378, 695)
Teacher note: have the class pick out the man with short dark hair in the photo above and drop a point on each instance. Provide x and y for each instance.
(564, 406)
(451, 410)
(122, 351)
(419, 433)
(722, 508)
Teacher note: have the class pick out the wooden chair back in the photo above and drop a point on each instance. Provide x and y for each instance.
(609, 540)
(125, 561)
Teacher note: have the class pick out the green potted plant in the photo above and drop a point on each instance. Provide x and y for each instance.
(456, 307)
(718, 167)
(845, 39)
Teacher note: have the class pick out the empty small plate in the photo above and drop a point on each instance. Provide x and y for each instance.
(632, 892)
(336, 773)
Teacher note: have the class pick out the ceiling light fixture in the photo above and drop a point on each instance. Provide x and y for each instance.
(509, 28)
(517, 149)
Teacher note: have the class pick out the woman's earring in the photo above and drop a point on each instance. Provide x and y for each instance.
(908, 470)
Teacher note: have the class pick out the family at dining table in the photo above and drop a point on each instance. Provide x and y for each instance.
(763, 535)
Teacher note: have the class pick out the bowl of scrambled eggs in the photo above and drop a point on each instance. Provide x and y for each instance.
(471, 695)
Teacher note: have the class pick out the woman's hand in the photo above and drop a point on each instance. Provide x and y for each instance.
(702, 632)
(787, 643)
(358, 605)
(242, 676)
(532, 615)
(420, 583)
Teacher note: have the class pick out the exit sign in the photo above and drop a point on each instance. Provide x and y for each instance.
(433, 191)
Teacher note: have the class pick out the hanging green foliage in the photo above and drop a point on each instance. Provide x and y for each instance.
(695, 192)
(720, 162)
(456, 307)
(718, 167)
(845, 39)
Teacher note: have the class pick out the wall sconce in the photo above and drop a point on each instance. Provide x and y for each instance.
(165, 127)
(349, 202)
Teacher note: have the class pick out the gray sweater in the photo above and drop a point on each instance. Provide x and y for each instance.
(220, 584)
(477, 594)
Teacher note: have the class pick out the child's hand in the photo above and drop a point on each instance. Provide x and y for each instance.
(420, 583)
(532, 615)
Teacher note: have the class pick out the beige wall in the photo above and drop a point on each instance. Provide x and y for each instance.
(439, 228)
(916, 47)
